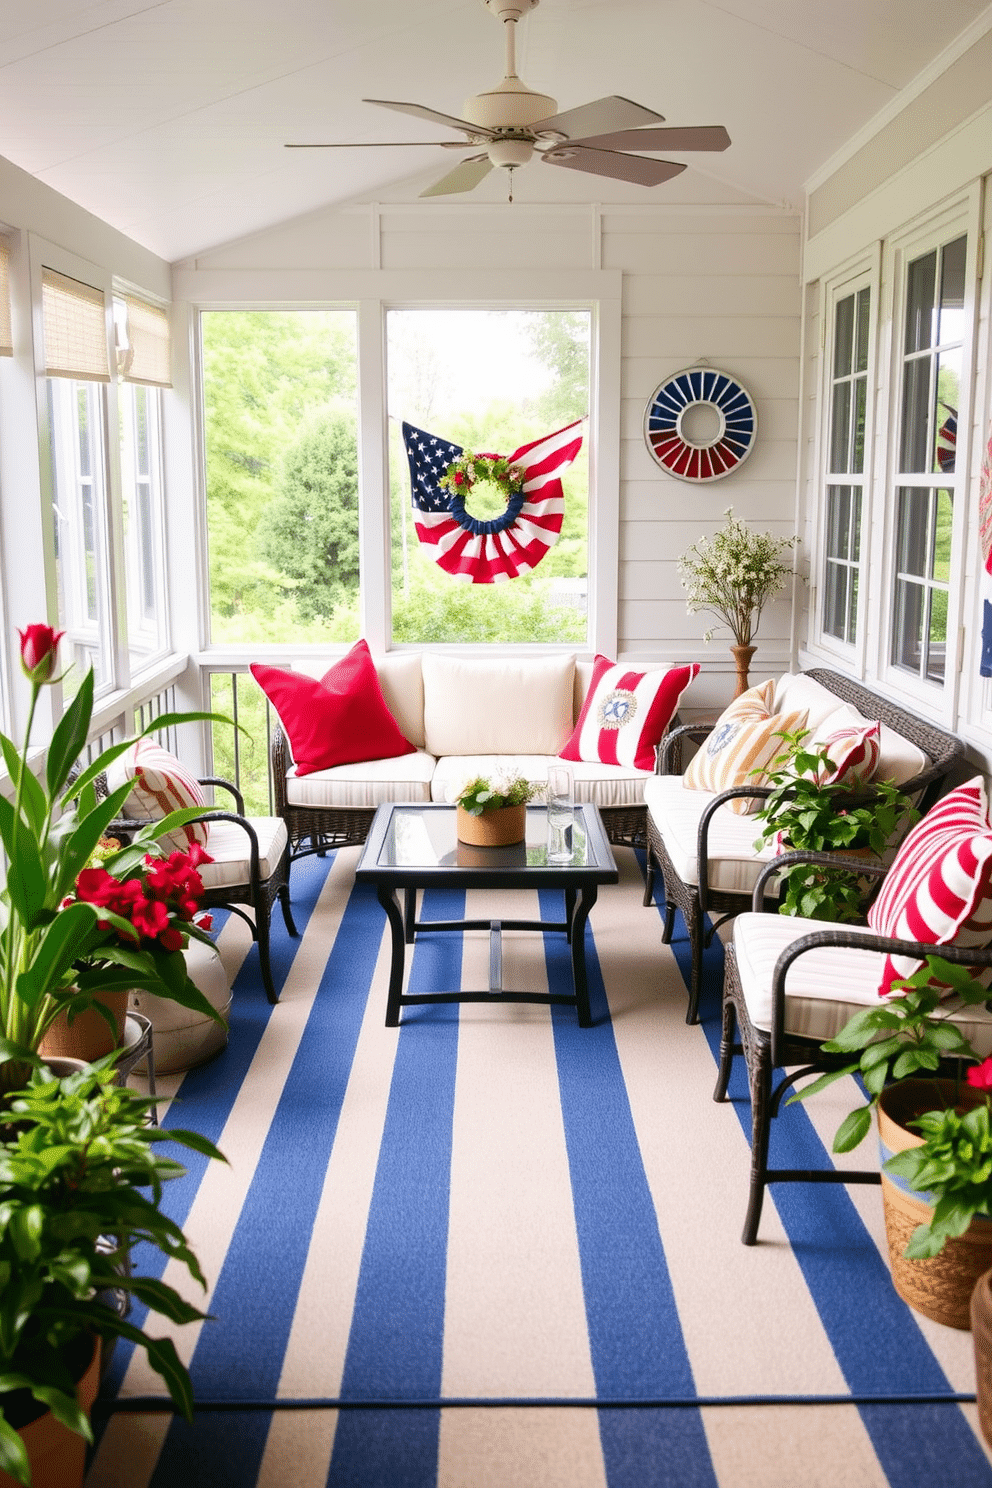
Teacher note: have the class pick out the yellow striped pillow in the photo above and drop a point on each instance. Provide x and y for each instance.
(744, 740)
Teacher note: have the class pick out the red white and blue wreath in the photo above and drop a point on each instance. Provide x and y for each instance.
(487, 551)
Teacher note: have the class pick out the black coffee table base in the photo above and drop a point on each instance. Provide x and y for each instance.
(403, 926)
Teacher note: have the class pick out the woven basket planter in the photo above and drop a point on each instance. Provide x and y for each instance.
(941, 1286)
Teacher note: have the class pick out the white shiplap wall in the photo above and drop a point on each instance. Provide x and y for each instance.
(711, 284)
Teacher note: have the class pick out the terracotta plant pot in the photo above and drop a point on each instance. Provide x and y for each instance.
(89, 1036)
(56, 1454)
(941, 1286)
(500, 828)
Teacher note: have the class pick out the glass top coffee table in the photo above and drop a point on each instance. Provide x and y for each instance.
(416, 847)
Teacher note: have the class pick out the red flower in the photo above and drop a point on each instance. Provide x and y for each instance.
(171, 940)
(39, 652)
(980, 1075)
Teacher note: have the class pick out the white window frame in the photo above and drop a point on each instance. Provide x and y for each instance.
(153, 640)
(372, 293)
(861, 273)
(940, 700)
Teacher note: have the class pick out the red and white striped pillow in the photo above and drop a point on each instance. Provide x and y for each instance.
(626, 713)
(854, 753)
(161, 784)
(939, 888)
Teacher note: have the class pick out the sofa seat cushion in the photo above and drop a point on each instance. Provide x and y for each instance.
(825, 987)
(605, 785)
(509, 705)
(230, 849)
(405, 777)
(733, 862)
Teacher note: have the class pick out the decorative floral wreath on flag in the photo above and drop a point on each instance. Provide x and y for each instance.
(489, 551)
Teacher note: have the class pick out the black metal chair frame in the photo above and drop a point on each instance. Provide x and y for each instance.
(776, 1050)
(259, 893)
(699, 900)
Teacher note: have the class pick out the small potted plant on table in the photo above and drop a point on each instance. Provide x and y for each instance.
(493, 812)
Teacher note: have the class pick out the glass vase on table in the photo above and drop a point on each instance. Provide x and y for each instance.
(561, 813)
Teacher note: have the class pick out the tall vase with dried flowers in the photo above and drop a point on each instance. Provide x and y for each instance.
(732, 575)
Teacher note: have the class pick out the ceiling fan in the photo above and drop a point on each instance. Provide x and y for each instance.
(512, 123)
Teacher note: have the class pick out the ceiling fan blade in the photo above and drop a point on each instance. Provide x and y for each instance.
(380, 145)
(463, 178)
(636, 168)
(603, 116)
(419, 111)
(698, 137)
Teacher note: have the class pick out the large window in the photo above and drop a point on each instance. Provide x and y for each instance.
(930, 388)
(281, 436)
(76, 413)
(141, 481)
(848, 400)
(490, 382)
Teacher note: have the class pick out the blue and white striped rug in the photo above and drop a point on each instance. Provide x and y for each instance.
(494, 1250)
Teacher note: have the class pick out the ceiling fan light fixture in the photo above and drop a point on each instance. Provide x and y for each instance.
(509, 153)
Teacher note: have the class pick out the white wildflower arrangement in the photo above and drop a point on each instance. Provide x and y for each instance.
(733, 574)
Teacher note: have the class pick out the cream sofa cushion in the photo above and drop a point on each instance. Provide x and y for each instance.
(604, 785)
(406, 777)
(733, 864)
(824, 987)
(509, 705)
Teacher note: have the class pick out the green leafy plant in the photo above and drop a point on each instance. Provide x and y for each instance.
(483, 794)
(733, 574)
(808, 812)
(80, 1186)
(912, 1034)
(56, 925)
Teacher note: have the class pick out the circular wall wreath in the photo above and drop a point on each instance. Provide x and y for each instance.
(700, 424)
(462, 474)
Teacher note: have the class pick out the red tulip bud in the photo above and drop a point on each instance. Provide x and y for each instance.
(39, 652)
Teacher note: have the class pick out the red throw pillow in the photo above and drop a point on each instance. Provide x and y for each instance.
(340, 720)
(939, 888)
(626, 713)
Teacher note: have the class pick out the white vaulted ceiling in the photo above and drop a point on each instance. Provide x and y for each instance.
(168, 118)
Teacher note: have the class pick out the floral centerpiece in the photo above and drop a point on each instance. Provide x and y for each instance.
(68, 929)
(492, 812)
(462, 474)
(733, 575)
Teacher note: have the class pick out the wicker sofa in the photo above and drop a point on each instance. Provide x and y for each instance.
(466, 716)
(705, 853)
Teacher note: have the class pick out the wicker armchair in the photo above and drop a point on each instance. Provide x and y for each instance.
(761, 1014)
(699, 898)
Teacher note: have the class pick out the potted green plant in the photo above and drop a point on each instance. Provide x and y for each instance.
(807, 811)
(733, 575)
(69, 930)
(935, 1133)
(80, 1185)
(492, 812)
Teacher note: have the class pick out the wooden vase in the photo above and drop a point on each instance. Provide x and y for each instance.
(502, 828)
(88, 1036)
(742, 659)
(941, 1286)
